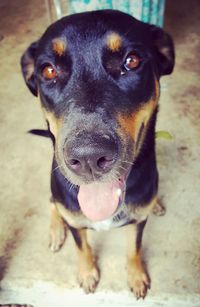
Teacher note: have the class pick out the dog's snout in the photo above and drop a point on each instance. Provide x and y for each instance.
(91, 155)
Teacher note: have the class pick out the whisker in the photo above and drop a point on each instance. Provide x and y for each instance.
(113, 177)
(71, 186)
(123, 168)
(62, 165)
(128, 162)
(57, 167)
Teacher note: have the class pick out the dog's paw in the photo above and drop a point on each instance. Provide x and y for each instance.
(57, 236)
(88, 279)
(159, 209)
(139, 284)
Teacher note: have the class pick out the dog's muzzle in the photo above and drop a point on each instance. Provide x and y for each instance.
(91, 157)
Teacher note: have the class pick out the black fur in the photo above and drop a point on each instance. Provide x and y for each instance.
(140, 228)
(101, 90)
(91, 91)
(62, 190)
(76, 237)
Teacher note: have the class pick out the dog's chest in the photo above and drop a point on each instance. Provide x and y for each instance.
(120, 218)
(126, 213)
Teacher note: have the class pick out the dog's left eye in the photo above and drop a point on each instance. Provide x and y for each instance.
(132, 61)
(49, 72)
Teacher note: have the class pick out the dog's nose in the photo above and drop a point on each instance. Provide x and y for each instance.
(91, 155)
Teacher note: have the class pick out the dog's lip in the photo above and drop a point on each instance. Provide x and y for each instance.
(106, 178)
(122, 190)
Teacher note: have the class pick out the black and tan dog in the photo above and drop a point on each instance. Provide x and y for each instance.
(97, 75)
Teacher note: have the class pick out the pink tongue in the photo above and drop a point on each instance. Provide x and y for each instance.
(99, 201)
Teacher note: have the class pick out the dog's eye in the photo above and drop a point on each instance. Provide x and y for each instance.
(49, 72)
(132, 61)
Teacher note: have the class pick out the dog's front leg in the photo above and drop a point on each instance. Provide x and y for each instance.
(138, 278)
(58, 229)
(88, 276)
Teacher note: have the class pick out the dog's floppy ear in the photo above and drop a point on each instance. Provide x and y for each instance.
(164, 50)
(28, 67)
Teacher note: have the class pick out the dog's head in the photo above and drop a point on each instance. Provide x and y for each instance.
(97, 75)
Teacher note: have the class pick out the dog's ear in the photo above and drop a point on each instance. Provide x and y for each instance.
(28, 67)
(164, 50)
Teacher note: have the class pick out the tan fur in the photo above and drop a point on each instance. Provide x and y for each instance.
(88, 273)
(59, 46)
(58, 230)
(76, 220)
(29, 69)
(140, 213)
(132, 123)
(159, 209)
(138, 279)
(114, 42)
(55, 123)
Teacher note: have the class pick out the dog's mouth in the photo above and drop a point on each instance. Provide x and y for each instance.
(99, 164)
(100, 200)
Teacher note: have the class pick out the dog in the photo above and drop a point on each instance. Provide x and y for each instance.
(97, 74)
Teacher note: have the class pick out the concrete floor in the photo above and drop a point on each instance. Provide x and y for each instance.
(29, 272)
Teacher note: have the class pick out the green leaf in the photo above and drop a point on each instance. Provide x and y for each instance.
(164, 135)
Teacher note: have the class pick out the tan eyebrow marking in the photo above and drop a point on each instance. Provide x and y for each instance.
(114, 41)
(59, 46)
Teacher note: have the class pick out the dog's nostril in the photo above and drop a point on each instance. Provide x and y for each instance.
(74, 164)
(104, 162)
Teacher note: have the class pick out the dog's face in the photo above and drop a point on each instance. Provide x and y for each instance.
(97, 75)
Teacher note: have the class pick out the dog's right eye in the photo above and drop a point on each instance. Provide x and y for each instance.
(132, 61)
(49, 72)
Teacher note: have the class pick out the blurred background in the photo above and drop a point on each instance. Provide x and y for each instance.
(151, 11)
